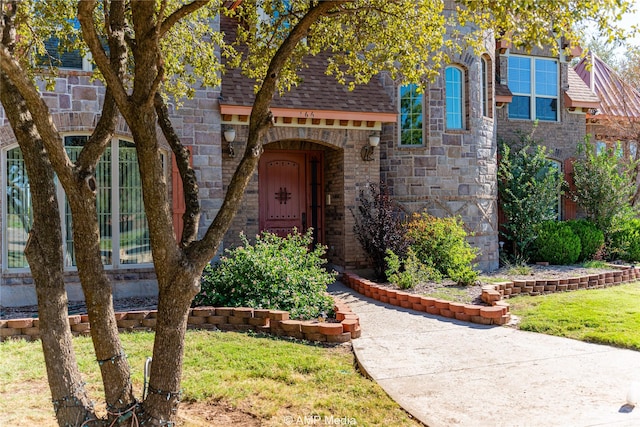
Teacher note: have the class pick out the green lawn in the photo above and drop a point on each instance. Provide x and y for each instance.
(268, 378)
(607, 316)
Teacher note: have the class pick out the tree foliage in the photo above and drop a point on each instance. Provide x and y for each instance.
(148, 52)
(603, 185)
(529, 187)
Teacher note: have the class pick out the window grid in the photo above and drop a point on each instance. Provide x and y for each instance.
(19, 213)
(534, 84)
(411, 115)
(117, 170)
(454, 98)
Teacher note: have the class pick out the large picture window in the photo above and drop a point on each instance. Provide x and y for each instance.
(454, 77)
(534, 84)
(124, 236)
(411, 115)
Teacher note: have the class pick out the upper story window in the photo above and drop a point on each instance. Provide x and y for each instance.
(486, 90)
(124, 235)
(454, 80)
(534, 84)
(411, 115)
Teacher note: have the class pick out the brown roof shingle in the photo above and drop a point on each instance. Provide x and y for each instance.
(579, 94)
(317, 91)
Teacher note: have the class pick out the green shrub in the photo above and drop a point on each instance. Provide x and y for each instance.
(529, 186)
(442, 243)
(274, 273)
(556, 243)
(591, 238)
(410, 271)
(625, 241)
(604, 185)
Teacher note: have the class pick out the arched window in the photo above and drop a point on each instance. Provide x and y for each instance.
(486, 89)
(124, 235)
(411, 115)
(454, 78)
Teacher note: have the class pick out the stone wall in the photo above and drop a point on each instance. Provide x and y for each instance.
(454, 172)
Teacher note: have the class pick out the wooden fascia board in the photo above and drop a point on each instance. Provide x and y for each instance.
(243, 110)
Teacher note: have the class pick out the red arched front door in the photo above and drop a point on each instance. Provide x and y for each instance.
(290, 192)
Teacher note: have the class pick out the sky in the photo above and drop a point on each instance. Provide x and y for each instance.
(633, 19)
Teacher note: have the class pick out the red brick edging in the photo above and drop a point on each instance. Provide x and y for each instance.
(274, 322)
(496, 314)
(497, 291)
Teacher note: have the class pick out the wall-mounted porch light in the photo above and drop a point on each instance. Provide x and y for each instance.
(367, 151)
(230, 136)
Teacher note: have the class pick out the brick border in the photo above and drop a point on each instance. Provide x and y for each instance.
(495, 314)
(496, 292)
(241, 319)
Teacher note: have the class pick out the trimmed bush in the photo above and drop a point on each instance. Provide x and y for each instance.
(274, 273)
(591, 238)
(442, 244)
(625, 241)
(409, 272)
(556, 243)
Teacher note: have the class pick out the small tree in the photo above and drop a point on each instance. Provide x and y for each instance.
(380, 226)
(604, 186)
(529, 186)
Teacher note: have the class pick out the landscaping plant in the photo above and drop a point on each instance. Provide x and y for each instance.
(279, 273)
(624, 242)
(441, 243)
(591, 238)
(604, 185)
(408, 272)
(529, 186)
(556, 243)
(380, 226)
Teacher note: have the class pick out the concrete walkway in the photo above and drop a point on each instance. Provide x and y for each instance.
(450, 373)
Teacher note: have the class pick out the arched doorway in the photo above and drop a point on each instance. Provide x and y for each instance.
(291, 192)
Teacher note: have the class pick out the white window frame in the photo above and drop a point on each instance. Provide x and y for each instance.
(116, 263)
(532, 86)
(463, 95)
(422, 116)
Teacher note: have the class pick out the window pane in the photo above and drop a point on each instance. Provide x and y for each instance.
(57, 57)
(73, 146)
(410, 115)
(519, 75)
(520, 107)
(546, 109)
(19, 210)
(454, 97)
(484, 94)
(546, 77)
(134, 236)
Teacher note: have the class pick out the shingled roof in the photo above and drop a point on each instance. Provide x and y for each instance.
(617, 97)
(579, 95)
(317, 91)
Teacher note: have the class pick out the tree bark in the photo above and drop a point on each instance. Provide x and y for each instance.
(44, 253)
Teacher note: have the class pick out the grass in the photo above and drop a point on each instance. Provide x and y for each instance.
(451, 293)
(607, 316)
(266, 377)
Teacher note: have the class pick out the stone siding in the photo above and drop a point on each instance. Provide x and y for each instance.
(454, 172)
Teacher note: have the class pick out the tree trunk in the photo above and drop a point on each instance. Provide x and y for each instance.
(44, 253)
